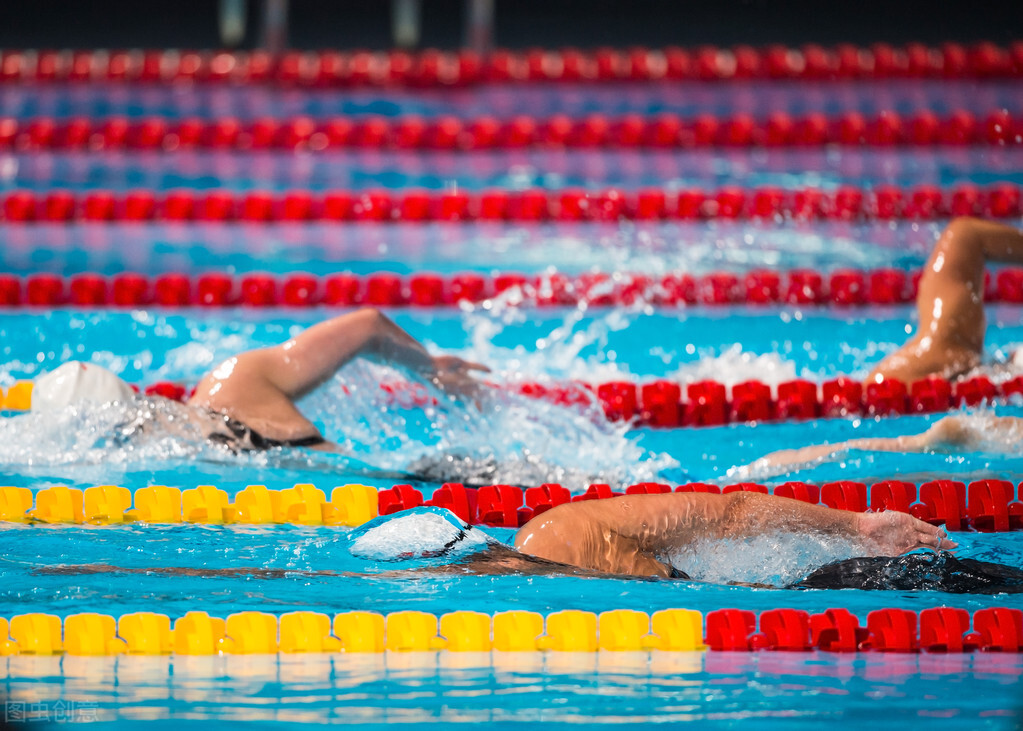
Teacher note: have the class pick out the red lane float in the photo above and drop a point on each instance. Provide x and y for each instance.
(845, 203)
(664, 131)
(936, 630)
(433, 68)
(938, 499)
(705, 404)
(749, 401)
(987, 509)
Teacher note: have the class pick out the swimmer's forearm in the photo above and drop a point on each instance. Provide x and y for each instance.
(751, 514)
(311, 358)
(393, 345)
(657, 523)
(999, 243)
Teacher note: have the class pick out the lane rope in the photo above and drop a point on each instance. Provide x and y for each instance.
(441, 69)
(667, 404)
(989, 506)
(663, 131)
(842, 287)
(843, 203)
(938, 629)
(803, 287)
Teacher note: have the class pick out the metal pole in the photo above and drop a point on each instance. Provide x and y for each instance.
(232, 21)
(479, 25)
(405, 25)
(275, 25)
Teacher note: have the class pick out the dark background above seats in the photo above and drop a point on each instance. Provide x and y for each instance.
(519, 23)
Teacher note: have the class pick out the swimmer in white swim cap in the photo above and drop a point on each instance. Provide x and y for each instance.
(641, 536)
(76, 382)
(248, 402)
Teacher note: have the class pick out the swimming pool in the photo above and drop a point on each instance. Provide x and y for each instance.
(597, 344)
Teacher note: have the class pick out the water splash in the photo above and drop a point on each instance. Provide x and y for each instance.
(735, 365)
(110, 434)
(778, 559)
(502, 437)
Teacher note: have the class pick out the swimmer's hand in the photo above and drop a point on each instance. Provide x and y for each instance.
(454, 376)
(891, 533)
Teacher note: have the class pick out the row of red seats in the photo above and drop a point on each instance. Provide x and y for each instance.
(779, 129)
(842, 287)
(941, 629)
(435, 68)
(845, 203)
(986, 505)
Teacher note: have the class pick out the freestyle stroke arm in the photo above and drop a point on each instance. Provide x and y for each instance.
(950, 302)
(259, 387)
(627, 535)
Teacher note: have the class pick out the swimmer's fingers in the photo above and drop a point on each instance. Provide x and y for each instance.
(454, 363)
(931, 536)
(459, 385)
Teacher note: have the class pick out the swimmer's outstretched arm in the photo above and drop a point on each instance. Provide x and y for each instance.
(628, 535)
(309, 359)
(952, 432)
(260, 387)
(950, 302)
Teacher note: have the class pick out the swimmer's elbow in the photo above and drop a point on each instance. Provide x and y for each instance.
(737, 506)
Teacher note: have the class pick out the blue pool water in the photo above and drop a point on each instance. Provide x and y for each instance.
(541, 100)
(510, 169)
(572, 446)
(319, 248)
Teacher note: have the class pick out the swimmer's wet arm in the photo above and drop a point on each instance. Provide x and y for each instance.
(625, 535)
(888, 533)
(950, 335)
(820, 452)
(308, 360)
(948, 433)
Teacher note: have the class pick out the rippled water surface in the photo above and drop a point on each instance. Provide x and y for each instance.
(390, 565)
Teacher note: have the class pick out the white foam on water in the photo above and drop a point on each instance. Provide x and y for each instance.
(777, 559)
(735, 365)
(112, 433)
(505, 438)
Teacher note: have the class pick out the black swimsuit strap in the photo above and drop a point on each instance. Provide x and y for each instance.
(243, 438)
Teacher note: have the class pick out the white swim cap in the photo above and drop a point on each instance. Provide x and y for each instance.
(418, 533)
(76, 381)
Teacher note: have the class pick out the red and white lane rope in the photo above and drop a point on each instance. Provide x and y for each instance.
(663, 131)
(432, 68)
(804, 287)
(990, 505)
(669, 404)
(984, 505)
(942, 630)
(845, 203)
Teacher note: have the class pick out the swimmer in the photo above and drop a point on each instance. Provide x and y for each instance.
(247, 403)
(635, 536)
(948, 342)
(255, 392)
